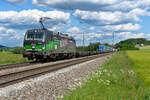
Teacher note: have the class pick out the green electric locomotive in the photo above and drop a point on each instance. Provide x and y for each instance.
(45, 44)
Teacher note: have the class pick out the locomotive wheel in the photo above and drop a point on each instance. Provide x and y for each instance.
(30, 58)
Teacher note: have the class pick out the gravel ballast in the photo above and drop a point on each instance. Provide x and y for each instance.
(52, 85)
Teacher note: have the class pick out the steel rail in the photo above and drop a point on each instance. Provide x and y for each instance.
(9, 66)
(15, 77)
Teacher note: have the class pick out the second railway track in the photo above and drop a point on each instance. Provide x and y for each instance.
(18, 76)
(9, 66)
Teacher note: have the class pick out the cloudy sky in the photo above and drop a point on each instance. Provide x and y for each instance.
(98, 19)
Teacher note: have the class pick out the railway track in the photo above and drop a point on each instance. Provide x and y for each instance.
(24, 74)
(9, 66)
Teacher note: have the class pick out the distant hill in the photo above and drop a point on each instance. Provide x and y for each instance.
(15, 50)
(136, 41)
(1, 46)
(130, 44)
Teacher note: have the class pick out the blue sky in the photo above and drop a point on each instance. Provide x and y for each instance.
(98, 19)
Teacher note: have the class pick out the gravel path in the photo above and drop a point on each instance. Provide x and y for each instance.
(52, 85)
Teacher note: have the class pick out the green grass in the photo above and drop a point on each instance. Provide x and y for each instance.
(115, 80)
(9, 58)
(141, 64)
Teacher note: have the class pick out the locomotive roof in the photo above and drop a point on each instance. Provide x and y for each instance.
(51, 32)
(63, 35)
(38, 30)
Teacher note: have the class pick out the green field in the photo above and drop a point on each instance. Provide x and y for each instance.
(9, 58)
(141, 64)
(115, 80)
(145, 47)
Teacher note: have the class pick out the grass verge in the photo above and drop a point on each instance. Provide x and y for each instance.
(9, 58)
(115, 80)
(141, 64)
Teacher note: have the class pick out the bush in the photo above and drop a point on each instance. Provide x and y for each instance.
(17, 50)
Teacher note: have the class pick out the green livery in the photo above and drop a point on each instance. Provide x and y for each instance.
(37, 47)
(51, 45)
(28, 47)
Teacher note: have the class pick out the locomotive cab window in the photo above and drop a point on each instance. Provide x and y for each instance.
(29, 36)
(38, 36)
(34, 36)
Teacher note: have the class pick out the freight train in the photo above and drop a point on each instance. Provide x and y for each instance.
(42, 44)
(104, 48)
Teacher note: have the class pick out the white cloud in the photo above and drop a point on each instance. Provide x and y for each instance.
(108, 18)
(74, 30)
(127, 5)
(16, 1)
(78, 34)
(74, 4)
(94, 5)
(104, 36)
(138, 35)
(108, 37)
(139, 12)
(91, 28)
(121, 27)
(53, 28)
(29, 18)
(10, 37)
(10, 34)
(127, 35)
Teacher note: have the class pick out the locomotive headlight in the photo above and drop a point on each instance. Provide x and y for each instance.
(33, 46)
(43, 47)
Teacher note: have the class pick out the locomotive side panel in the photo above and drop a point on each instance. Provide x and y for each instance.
(59, 44)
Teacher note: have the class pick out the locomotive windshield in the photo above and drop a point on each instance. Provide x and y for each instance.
(38, 36)
(30, 36)
(34, 36)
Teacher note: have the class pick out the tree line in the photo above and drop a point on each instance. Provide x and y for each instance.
(130, 44)
(15, 50)
(91, 47)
